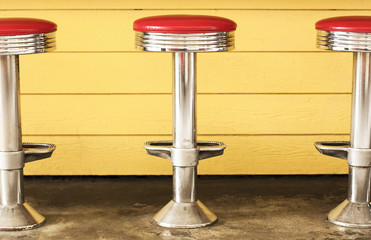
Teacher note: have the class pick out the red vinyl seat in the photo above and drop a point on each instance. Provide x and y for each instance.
(184, 24)
(25, 26)
(358, 24)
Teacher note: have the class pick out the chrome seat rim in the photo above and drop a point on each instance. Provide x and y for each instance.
(185, 42)
(344, 41)
(27, 44)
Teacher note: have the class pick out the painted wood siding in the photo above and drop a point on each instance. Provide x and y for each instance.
(99, 99)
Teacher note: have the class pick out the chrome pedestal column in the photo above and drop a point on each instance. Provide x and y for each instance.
(15, 213)
(355, 211)
(184, 210)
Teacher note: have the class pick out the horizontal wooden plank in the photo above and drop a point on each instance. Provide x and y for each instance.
(189, 4)
(139, 72)
(217, 114)
(257, 30)
(124, 155)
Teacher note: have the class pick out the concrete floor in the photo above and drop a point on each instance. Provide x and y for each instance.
(248, 208)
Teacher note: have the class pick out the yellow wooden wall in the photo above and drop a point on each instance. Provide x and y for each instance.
(99, 99)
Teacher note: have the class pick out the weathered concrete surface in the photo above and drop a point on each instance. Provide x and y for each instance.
(248, 208)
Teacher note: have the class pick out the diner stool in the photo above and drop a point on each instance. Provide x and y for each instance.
(18, 36)
(184, 36)
(352, 34)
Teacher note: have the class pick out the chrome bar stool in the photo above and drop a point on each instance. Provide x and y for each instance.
(18, 36)
(352, 34)
(184, 36)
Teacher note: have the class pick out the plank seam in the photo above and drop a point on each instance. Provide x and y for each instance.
(169, 135)
(187, 9)
(169, 93)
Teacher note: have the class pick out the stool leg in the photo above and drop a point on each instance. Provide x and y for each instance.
(15, 214)
(10, 125)
(355, 211)
(184, 184)
(184, 211)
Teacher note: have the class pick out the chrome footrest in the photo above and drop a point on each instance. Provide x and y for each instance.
(37, 151)
(337, 149)
(357, 157)
(184, 157)
(30, 152)
(160, 149)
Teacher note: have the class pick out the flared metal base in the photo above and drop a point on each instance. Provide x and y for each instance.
(19, 217)
(185, 215)
(351, 214)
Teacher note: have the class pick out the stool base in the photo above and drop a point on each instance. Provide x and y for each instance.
(185, 215)
(351, 214)
(19, 217)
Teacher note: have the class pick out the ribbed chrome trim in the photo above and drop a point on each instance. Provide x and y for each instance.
(27, 44)
(185, 42)
(344, 41)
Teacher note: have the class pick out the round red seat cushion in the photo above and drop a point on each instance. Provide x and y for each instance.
(25, 26)
(184, 24)
(360, 24)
